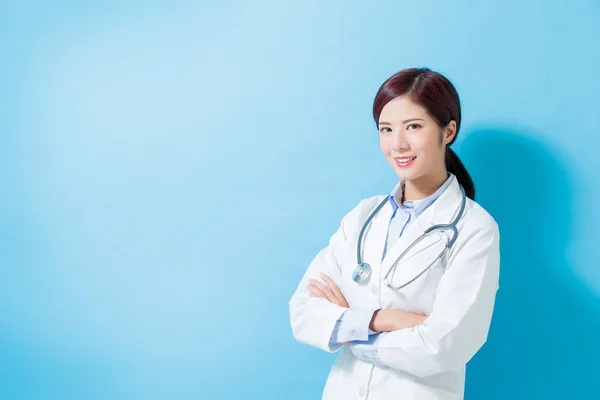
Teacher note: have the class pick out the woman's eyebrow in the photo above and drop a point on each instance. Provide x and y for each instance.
(405, 121)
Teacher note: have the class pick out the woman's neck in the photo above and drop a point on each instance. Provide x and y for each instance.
(423, 187)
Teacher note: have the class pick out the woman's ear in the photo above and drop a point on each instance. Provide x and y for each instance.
(449, 132)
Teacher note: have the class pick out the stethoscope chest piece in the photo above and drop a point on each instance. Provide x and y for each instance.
(361, 272)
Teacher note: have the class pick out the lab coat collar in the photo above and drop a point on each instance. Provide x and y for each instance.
(397, 196)
(442, 211)
(447, 205)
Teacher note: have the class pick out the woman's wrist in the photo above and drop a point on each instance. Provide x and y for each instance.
(394, 320)
(382, 321)
(374, 325)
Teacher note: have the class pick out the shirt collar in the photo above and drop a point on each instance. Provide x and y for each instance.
(417, 205)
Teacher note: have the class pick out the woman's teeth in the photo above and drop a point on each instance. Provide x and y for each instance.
(404, 161)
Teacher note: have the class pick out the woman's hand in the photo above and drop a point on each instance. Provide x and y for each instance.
(330, 291)
(394, 320)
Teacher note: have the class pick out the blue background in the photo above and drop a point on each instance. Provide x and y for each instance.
(169, 169)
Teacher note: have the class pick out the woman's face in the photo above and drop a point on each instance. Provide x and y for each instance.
(412, 142)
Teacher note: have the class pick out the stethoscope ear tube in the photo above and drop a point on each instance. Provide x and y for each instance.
(362, 272)
(364, 228)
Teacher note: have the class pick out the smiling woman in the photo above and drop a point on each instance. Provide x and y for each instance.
(414, 331)
(418, 114)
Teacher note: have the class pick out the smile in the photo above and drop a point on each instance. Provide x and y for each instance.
(404, 161)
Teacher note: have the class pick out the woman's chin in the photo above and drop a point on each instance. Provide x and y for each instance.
(406, 174)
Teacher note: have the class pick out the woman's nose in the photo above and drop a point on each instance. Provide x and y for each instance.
(399, 142)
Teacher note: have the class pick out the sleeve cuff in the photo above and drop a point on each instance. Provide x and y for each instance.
(354, 325)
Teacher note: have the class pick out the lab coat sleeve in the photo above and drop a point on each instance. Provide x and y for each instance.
(462, 311)
(313, 319)
(354, 325)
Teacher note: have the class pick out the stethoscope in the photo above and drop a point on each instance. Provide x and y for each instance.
(362, 272)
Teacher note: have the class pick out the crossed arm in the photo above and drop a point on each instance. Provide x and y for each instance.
(382, 320)
(444, 340)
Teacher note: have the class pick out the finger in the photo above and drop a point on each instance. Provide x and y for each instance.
(318, 293)
(325, 289)
(334, 288)
(315, 292)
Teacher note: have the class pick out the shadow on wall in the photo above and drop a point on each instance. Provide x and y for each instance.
(544, 340)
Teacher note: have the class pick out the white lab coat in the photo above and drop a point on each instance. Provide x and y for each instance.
(457, 294)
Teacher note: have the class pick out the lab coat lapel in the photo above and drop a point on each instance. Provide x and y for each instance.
(447, 206)
(440, 212)
(376, 236)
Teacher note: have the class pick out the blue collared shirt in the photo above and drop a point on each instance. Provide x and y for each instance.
(353, 325)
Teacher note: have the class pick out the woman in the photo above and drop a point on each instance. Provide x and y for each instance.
(417, 308)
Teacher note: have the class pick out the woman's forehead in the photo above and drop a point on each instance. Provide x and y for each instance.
(400, 109)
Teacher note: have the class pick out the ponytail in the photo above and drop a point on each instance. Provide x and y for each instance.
(456, 167)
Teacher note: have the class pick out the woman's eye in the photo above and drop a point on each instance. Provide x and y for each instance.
(383, 130)
(415, 125)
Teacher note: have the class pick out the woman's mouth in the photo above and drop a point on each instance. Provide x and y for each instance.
(403, 162)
